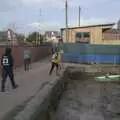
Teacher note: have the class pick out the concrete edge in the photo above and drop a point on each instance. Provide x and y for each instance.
(15, 111)
(44, 101)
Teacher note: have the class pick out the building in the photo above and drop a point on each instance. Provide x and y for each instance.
(8, 37)
(52, 36)
(118, 24)
(93, 34)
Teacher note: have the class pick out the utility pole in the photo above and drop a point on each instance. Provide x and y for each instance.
(39, 27)
(79, 16)
(36, 37)
(37, 32)
(66, 19)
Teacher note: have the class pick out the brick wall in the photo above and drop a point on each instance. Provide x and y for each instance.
(38, 53)
(110, 36)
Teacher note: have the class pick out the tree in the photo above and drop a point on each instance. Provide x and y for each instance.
(20, 37)
(35, 36)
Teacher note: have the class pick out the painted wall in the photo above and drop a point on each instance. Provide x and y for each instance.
(38, 53)
(96, 36)
(72, 33)
(91, 53)
(111, 42)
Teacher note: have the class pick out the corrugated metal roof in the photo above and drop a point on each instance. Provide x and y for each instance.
(115, 31)
(98, 25)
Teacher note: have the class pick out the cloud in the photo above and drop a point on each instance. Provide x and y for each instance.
(7, 5)
(44, 3)
(59, 3)
(91, 21)
(45, 25)
(54, 25)
(26, 12)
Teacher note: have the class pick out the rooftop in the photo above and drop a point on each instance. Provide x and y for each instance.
(114, 31)
(88, 26)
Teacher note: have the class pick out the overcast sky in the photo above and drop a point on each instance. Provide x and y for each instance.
(27, 15)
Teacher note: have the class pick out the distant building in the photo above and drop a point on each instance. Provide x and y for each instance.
(8, 37)
(118, 24)
(52, 36)
(93, 34)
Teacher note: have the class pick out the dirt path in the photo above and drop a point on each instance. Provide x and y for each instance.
(29, 83)
(90, 100)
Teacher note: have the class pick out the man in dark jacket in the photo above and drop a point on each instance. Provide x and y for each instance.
(7, 69)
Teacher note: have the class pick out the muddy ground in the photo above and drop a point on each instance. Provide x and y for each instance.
(87, 99)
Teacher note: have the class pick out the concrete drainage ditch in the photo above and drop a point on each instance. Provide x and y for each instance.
(87, 99)
(75, 96)
(43, 104)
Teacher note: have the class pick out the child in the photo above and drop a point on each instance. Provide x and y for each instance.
(55, 63)
(61, 59)
(7, 64)
(27, 59)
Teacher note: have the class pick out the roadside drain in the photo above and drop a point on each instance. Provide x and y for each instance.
(87, 99)
(75, 96)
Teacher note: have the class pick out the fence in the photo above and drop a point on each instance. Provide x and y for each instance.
(84, 53)
(38, 53)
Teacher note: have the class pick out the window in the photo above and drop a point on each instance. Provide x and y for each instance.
(78, 35)
(82, 37)
(86, 35)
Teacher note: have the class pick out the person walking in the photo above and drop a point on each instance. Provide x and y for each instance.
(7, 64)
(55, 63)
(30, 59)
(27, 59)
(61, 59)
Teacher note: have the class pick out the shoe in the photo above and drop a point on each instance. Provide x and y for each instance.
(57, 74)
(15, 87)
(50, 74)
(2, 90)
(118, 114)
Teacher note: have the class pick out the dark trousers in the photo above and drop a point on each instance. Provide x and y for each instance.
(52, 68)
(26, 64)
(5, 73)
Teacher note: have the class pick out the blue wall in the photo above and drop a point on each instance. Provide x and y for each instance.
(92, 53)
(70, 57)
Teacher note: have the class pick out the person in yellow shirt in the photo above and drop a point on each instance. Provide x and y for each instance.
(61, 59)
(55, 63)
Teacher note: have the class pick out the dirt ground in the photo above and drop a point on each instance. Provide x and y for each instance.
(87, 99)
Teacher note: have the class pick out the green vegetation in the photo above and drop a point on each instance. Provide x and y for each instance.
(20, 37)
(35, 36)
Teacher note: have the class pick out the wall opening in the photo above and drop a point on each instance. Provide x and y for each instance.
(82, 37)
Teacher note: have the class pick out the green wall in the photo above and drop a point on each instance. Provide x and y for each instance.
(91, 49)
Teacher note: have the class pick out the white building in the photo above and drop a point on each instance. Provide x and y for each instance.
(8, 37)
(52, 36)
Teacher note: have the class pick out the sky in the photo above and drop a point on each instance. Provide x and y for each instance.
(30, 15)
